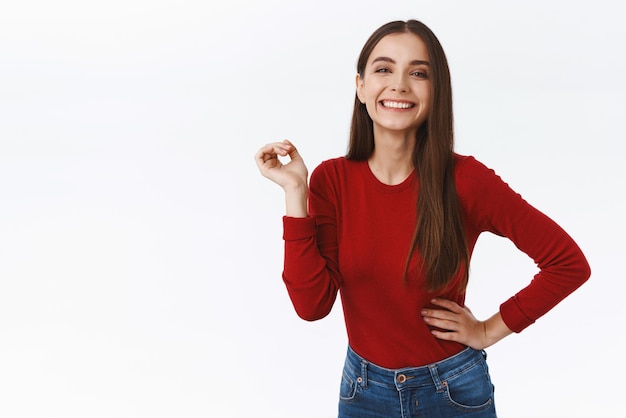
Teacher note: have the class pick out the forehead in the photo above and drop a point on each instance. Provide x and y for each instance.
(400, 47)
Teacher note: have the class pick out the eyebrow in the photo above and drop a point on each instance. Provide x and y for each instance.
(390, 60)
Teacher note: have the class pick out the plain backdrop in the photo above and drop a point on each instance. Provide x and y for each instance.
(141, 251)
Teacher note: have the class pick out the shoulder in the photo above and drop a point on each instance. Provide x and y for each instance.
(336, 163)
(475, 182)
(335, 167)
(334, 175)
(469, 165)
(469, 172)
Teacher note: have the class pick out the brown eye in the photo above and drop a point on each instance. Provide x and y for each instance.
(420, 74)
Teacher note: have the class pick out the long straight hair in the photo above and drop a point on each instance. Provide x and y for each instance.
(439, 235)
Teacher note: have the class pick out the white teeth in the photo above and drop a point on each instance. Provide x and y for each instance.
(397, 105)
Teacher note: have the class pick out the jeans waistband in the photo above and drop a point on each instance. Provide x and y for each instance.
(435, 373)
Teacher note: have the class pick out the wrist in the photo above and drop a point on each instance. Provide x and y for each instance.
(297, 189)
(296, 198)
(494, 330)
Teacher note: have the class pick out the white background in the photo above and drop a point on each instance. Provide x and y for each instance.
(141, 251)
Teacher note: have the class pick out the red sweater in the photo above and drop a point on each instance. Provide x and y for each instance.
(357, 239)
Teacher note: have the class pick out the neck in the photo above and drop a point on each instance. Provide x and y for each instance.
(392, 159)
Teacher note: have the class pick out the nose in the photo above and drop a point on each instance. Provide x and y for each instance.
(400, 83)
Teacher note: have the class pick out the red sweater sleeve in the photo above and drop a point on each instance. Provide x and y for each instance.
(311, 272)
(495, 207)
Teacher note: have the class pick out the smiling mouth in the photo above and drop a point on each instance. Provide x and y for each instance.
(397, 105)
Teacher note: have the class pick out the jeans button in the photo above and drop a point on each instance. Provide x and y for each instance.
(401, 378)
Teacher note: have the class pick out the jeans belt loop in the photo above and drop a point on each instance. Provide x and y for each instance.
(364, 365)
(434, 373)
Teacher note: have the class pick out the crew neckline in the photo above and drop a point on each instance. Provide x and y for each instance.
(392, 188)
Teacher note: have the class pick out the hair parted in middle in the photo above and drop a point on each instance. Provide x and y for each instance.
(439, 235)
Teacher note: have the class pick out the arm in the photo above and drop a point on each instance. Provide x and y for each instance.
(492, 206)
(310, 272)
(562, 265)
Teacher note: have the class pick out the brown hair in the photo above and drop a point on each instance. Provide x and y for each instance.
(439, 234)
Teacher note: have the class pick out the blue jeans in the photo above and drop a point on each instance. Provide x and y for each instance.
(458, 386)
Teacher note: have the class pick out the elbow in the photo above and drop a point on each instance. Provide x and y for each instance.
(585, 272)
(581, 272)
(310, 313)
(576, 267)
(584, 269)
(310, 308)
(312, 303)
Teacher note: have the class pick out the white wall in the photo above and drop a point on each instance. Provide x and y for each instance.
(141, 251)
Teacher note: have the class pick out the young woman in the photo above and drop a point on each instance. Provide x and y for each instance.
(392, 225)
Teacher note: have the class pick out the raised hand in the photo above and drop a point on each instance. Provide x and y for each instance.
(292, 175)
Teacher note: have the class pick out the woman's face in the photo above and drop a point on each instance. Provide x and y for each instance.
(395, 85)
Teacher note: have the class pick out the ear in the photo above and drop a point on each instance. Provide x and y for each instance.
(359, 89)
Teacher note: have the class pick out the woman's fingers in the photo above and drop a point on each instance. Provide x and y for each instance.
(271, 150)
(270, 153)
(455, 323)
(443, 324)
(453, 317)
(290, 148)
(447, 304)
(292, 174)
